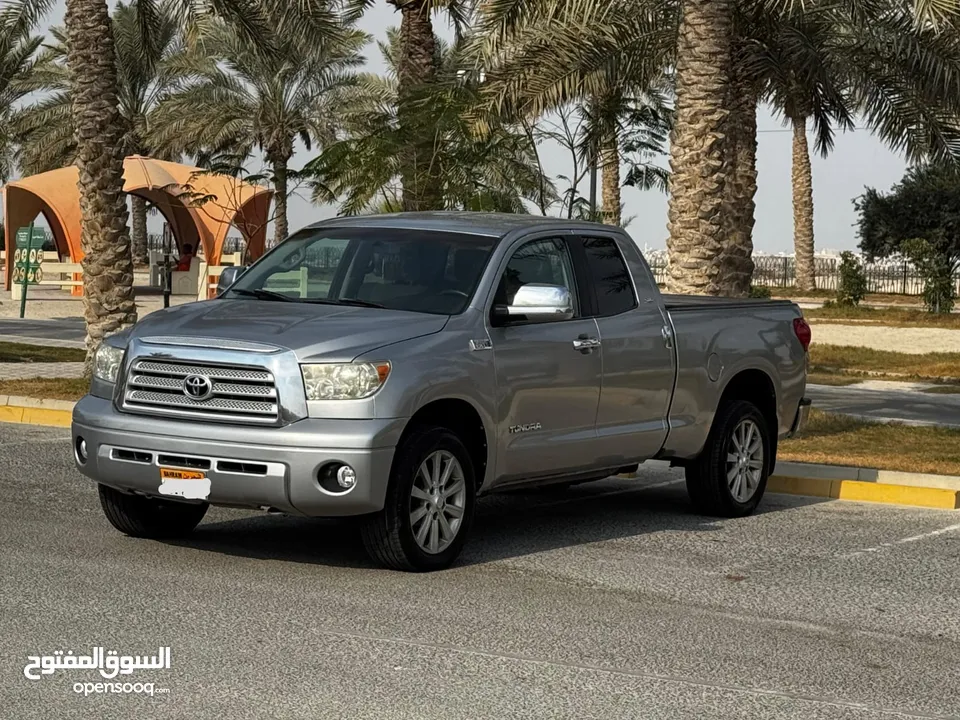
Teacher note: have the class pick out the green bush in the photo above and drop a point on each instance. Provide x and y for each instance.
(760, 291)
(937, 270)
(853, 282)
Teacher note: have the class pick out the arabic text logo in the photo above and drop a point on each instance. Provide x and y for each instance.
(109, 663)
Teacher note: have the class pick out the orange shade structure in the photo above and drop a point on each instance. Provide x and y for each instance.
(170, 187)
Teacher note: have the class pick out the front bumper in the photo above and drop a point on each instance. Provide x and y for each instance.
(803, 414)
(272, 468)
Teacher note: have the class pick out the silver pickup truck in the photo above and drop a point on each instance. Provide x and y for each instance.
(396, 367)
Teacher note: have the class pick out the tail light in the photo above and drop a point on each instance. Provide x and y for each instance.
(802, 330)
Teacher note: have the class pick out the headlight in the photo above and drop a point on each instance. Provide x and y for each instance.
(343, 381)
(106, 363)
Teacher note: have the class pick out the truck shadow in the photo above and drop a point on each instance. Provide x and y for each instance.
(506, 526)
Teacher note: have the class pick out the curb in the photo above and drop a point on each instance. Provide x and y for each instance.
(861, 484)
(866, 485)
(33, 411)
(873, 492)
(45, 342)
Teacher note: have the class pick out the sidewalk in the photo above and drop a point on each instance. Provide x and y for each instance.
(889, 402)
(49, 371)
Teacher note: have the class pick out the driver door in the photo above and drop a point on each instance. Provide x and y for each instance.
(548, 389)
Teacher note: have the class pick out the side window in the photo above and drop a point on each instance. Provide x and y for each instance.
(545, 261)
(609, 276)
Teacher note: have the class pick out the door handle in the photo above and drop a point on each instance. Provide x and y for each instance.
(585, 344)
(667, 336)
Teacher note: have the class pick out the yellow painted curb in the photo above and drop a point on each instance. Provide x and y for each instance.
(35, 416)
(866, 491)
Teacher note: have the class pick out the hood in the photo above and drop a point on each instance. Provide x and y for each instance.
(330, 333)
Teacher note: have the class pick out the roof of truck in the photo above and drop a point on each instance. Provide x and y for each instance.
(476, 223)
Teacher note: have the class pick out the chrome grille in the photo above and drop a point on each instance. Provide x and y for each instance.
(245, 395)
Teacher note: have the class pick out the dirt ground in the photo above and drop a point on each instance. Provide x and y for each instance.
(916, 341)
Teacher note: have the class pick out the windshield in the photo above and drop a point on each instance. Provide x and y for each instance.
(413, 270)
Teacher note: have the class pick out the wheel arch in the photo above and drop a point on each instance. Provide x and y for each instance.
(755, 386)
(463, 419)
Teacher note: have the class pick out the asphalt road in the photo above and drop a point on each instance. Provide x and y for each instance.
(877, 401)
(66, 329)
(609, 600)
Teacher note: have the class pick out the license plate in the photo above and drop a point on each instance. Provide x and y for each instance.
(187, 484)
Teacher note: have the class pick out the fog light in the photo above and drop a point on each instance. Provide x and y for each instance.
(346, 477)
(81, 450)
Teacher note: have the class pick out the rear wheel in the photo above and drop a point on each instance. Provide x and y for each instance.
(730, 476)
(429, 505)
(144, 517)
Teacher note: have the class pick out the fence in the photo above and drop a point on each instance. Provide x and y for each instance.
(889, 277)
(231, 244)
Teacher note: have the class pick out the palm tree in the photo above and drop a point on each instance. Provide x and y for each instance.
(417, 71)
(717, 91)
(626, 126)
(535, 64)
(706, 155)
(18, 47)
(822, 68)
(109, 305)
(234, 97)
(108, 270)
(494, 169)
(45, 128)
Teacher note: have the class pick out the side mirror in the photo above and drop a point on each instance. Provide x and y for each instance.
(539, 303)
(228, 276)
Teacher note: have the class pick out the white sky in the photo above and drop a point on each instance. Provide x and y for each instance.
(858, 160)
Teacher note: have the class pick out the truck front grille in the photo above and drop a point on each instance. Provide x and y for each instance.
(203, 392)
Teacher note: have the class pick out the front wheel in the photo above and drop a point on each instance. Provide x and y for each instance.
(144, 517)
(729, 477)
(429, 505)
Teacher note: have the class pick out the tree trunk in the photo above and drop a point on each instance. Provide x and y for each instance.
(109, 305)
(610, 169)
(802, 207)
(697, 183)
(417, 68)
(280, 198)
(741, 188)
(141, 255)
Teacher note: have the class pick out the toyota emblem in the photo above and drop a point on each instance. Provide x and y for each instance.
(197, 387)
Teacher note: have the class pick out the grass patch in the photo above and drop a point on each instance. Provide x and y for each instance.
(819, 378)
(894, 317)
(791, 293)
(18, 353)
(838, 440)
(943, 390)
(867, 360)
(56, 389)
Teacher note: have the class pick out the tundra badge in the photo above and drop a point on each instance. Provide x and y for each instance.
(524, 428)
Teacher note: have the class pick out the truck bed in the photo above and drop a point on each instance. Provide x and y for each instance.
(705, 302)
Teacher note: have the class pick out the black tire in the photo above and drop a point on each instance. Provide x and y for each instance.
(388, 535)
(706, 476)
(154, 518)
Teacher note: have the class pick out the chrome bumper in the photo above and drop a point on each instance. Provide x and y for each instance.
(268, 468)
(803, 414)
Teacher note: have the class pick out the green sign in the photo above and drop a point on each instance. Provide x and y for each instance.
(28, 256)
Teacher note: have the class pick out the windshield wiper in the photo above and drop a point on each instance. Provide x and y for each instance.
(263, 294)
(270, 295)
(343, 301)
(360, 303)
